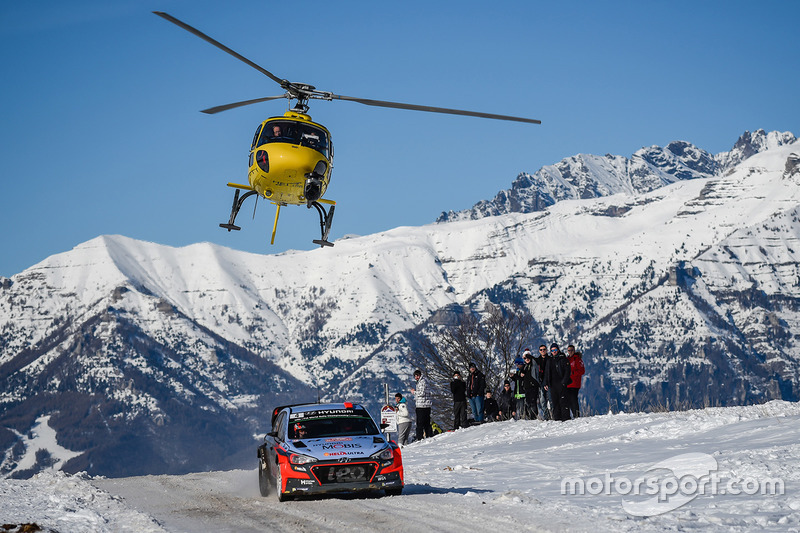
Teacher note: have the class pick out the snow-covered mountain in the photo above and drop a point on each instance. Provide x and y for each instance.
(590, 176)
(679, 291)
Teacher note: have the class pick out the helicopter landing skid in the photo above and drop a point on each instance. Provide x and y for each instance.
(325, 221)
(237, 205)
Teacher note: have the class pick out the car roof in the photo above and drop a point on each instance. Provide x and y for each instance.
(310, 407)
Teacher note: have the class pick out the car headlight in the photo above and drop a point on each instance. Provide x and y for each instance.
(300, 459)
(383, 455)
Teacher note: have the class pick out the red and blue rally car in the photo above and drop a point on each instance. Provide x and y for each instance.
(327, 448)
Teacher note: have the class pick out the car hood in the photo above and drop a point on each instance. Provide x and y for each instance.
(332, 448)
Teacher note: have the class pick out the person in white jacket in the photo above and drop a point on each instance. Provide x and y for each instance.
(403, 419)
(423, 401)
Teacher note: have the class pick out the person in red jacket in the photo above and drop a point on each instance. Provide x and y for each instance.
(576, 373)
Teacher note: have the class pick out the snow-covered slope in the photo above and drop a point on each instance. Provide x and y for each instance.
(682, 295)
(718, 469)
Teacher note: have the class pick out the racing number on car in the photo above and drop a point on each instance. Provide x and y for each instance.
(343, 474)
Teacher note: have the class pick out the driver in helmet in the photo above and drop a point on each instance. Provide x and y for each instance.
(300, 431)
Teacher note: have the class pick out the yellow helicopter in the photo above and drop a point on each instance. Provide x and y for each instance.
(291, 156)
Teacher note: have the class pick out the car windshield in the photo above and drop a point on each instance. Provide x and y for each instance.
(293, 132)
(332, 427)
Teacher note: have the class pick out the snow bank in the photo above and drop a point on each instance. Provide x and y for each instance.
(61, 502)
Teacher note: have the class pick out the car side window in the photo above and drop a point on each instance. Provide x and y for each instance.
(281, 426)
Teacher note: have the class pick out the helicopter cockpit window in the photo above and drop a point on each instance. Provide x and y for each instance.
(255, 137)
(315, 138)
(278, 131)
(295, 133)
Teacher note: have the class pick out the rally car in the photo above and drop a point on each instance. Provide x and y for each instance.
(327, 448)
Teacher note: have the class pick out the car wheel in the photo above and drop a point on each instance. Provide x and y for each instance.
(394, 492)
(279, 486)
(263, 479)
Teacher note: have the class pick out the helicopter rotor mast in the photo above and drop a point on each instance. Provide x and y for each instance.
(303, 92)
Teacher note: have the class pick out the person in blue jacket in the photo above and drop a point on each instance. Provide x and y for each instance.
(476, 388)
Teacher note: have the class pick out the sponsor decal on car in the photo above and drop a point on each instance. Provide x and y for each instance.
(326, 413)
(331, 454)
(340, 446)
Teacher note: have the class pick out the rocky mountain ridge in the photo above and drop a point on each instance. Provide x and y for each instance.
(590, 176)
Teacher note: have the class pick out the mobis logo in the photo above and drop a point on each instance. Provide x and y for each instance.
(339, 446)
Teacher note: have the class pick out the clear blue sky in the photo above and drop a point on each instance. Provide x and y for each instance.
(101, 131)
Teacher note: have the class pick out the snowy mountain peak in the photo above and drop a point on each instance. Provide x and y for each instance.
(587, 176)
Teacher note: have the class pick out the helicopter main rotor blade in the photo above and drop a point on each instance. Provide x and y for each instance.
(222, 47)
(220, 108)
(430, 109)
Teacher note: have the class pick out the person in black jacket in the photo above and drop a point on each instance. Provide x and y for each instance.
(476, 387)
(505, 400)
(541, 362)
(459, 390)
(556, 379)
(530, 373)
(491, 411)
(517, 378)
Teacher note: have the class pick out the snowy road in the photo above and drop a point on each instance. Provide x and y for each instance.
(229, 501)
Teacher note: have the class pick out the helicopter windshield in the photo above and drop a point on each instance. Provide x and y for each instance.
(289, 131)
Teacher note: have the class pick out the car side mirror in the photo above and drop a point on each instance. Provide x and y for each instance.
(384, 426)
(273, 434)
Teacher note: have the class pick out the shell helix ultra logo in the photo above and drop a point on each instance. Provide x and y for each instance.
(670, 484)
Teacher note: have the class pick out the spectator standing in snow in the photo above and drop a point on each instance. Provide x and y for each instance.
(459, 390)
(518, 383)
(403, 419)
(556, 378)
(576, 375)
(530, 375)
(505, 400)
(491, 411)
(423, 401)
(476, 385)
(541, 362)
